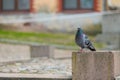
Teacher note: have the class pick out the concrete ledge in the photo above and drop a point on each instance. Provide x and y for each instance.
(17, 52)
(10, 52)
(96, 65)
(33, 76)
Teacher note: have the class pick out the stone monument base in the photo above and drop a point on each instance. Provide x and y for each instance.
(96, 65)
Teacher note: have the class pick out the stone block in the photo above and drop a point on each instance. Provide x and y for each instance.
(17, 52)
(9, 52)
(111, 22)
(96, 65)
(42, 51)
(83, 66)
(103, 66)
(110, 30)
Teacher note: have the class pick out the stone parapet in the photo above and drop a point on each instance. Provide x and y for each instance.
(96, 65)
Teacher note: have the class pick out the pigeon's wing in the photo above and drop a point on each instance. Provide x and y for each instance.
(88, 43)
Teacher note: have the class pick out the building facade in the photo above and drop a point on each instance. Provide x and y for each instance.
(54, 6)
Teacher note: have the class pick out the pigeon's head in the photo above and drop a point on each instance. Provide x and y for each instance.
(80, 30)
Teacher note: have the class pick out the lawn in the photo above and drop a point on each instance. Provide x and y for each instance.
(63, 39)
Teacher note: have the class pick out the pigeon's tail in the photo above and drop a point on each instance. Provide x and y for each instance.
(92, 48)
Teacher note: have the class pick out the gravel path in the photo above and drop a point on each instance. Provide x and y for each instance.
(39, 66)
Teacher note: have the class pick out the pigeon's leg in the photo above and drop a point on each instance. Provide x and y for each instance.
(81, 50)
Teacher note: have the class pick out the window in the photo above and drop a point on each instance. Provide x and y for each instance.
(14, 5)
(8, 4)
(70, 4)
(23, 4)
(86, 4)
(78, 4)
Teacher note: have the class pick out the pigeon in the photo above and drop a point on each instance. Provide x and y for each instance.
(82, 40)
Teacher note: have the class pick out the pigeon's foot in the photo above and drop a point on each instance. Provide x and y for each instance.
(81, 51)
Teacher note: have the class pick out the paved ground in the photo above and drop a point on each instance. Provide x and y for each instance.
(39, 66)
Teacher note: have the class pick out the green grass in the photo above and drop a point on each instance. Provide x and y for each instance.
(52, 38)
(64, 39)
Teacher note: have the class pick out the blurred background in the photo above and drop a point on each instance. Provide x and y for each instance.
(46, 28)
(37, 21)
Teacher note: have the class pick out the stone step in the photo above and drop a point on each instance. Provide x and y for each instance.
(18, 76)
